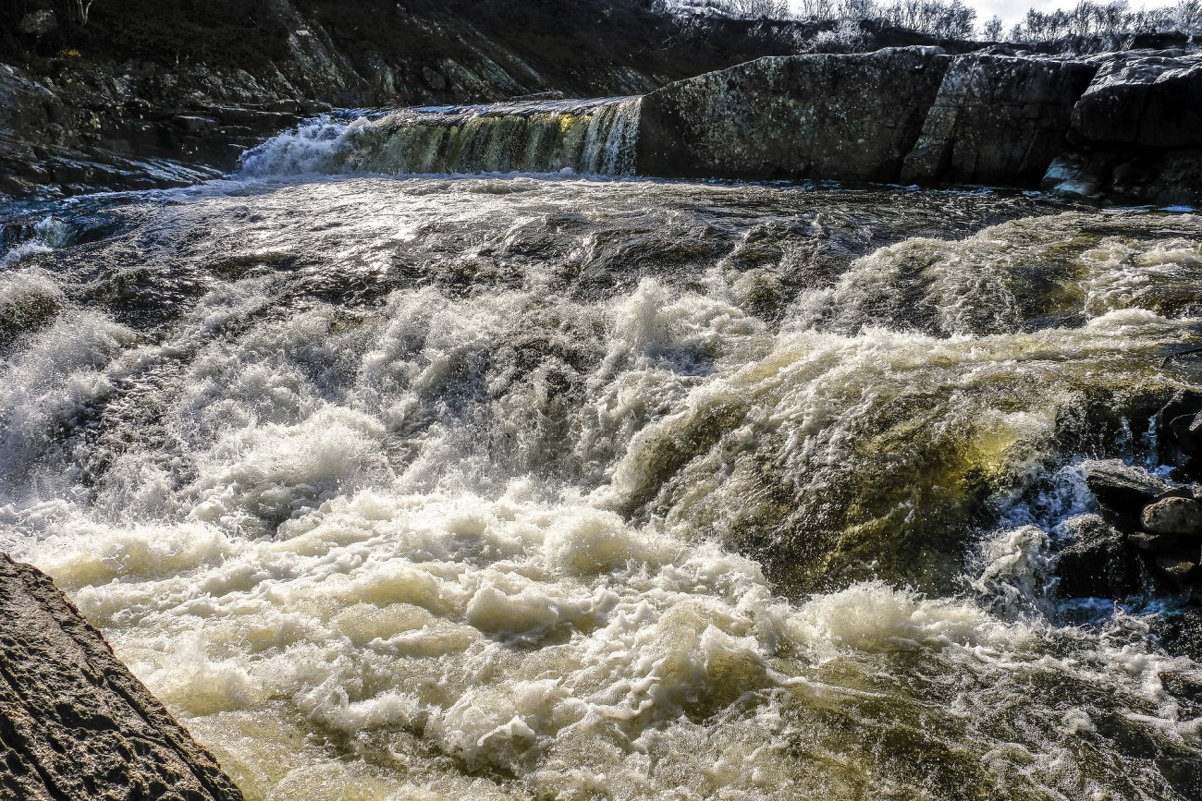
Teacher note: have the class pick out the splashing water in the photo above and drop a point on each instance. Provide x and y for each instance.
(518, 489)
(593, 137)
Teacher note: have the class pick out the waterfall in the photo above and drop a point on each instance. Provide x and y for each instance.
(589, 137)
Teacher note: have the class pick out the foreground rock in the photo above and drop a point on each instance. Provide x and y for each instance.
(74, 722)
(1148, 538)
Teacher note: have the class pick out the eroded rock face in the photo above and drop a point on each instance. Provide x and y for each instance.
(74, 722)
(1121, 127)
(997, 120)
(851, 117)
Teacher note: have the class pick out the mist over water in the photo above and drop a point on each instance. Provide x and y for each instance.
(534, 488)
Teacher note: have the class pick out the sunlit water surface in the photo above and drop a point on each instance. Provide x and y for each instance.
(534, 488)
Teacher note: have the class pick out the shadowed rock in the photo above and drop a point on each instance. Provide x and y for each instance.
(1136, 132)
(851, 117)
(1123, 490)
(1097, 563)
(1173, 516)
(74, 722)
(997, 120)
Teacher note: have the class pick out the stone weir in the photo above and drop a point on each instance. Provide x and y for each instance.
(1121, 127)
(74, 722)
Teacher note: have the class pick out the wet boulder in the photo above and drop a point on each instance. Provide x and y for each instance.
(997, 120)
(1143, 99)
(1122, 490)
(1181, 516)
(75, 725)
(1098, 563)
(837, 116)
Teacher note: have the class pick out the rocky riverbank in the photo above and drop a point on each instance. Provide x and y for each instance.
(145, 95)
(1117, 127)
(74, 722)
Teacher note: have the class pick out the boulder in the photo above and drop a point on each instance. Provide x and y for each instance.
(1123, 490)
(836, 116)
(1143, 99)
(1098, 563)
(1180, 516)
(75, 725)
(997, 120)
(1136, 132)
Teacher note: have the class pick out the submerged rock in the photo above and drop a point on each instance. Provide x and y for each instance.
(1181, 633)
(74, 722)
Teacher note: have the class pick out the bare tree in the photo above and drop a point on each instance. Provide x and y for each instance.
(773, 9)
(991, 31)
(79, 10)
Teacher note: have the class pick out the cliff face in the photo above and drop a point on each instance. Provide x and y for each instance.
(1119, 127)
(74, 722)
(151, 94)
(824, 116)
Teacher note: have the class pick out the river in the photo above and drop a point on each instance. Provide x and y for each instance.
(548, 485)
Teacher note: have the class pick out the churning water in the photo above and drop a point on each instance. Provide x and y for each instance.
(532, 488)
(591, 137)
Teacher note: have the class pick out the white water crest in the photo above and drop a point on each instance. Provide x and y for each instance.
(593, 137)
(533, 489)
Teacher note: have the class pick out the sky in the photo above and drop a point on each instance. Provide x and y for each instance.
(1011, 11)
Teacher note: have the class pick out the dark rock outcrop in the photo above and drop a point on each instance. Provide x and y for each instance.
(851, 117)
(75, 725)
(1136, 132)
(997, 120)
(1098, 563)
(1121, 126)
(1148, 100)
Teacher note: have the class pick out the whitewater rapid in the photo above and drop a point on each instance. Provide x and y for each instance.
(535, 488)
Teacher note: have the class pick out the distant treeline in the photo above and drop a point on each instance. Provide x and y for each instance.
(951, 19)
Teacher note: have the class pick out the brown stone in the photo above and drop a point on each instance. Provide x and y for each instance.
(1180, 516)
(75, 725)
